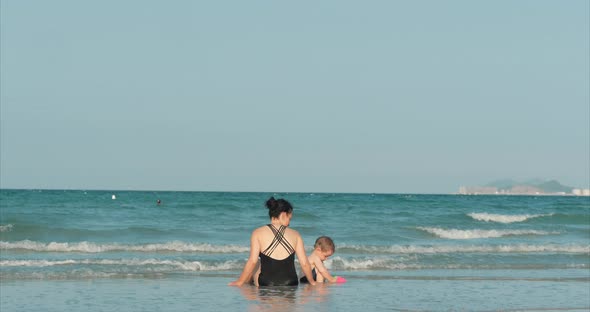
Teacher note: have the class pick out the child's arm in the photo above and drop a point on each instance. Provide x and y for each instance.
(321, 270)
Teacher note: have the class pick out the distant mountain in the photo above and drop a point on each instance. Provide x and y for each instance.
(503, 184)
(553, 186)
(535, 181)
(546, 186)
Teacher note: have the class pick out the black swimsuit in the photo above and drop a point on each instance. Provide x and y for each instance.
(275, 272)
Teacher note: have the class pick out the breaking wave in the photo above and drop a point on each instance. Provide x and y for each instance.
(488, 217)
(345, 248)
(412, 249)
(89, 247)
(384, 263)
(152, 263)
(6, 228)
(475, 234)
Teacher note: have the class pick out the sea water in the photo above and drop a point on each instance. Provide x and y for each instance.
(78, 250)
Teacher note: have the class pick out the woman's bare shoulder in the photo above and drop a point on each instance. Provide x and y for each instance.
(260, 230)
(292, 232)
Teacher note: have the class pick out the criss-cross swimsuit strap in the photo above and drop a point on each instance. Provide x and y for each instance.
(279, 239)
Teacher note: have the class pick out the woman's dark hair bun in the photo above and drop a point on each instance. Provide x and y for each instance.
(271, 203)
(278, 206)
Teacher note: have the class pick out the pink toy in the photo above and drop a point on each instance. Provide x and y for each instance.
(340, 279)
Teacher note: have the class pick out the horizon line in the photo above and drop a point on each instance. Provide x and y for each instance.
(217, 191)
(277, 192)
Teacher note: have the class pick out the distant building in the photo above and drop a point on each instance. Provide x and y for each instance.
(581, 192)
(478, 190)
(526, 190)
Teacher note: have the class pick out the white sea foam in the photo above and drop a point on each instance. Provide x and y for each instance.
(489, 217)
(365, 264)
(382, 263)
(35, 263)
(379, 263)
(97, 268)
(441, 249)
(152, 263)
(474, 234)
(89, 247)
(347, 248)
(6, 228)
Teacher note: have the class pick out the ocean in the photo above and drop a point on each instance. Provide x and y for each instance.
(72, 250)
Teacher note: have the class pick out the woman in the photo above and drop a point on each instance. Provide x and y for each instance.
(276, 245)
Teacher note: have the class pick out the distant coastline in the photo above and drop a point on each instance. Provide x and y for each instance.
(520, 189)
(532, 187)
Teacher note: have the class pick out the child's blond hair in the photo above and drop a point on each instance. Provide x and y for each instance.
(325, 243)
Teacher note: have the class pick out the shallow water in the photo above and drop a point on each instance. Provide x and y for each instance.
(211, 293)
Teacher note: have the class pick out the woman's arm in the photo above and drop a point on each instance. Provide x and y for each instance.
(251, 263)
(302, 257)
(321, 269)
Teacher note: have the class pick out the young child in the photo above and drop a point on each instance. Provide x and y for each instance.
(322, 249)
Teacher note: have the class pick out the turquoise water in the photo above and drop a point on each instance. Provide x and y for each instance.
(71, 250)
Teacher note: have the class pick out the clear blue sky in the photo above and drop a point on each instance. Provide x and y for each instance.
(311, 96)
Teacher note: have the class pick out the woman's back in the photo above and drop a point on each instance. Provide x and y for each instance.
(266, 236)
(277, 259)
